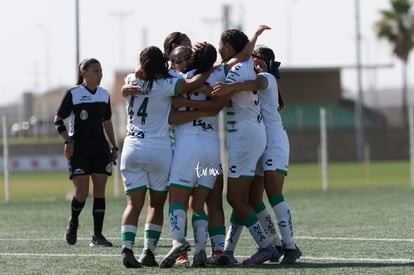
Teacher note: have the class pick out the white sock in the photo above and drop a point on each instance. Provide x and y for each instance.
(284, 219)
(256, 230)
(200, 231)
(152, 236)
(217, 238)
(268, 226)
(232, 237)
(128, 233)
(177, 217)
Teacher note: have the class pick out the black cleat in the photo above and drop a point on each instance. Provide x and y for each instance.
(200, 259)
(218, 258)
(71, 232)
(128, 259)
(147, 258)
(100, 241)
(277, 257)
(291, 255)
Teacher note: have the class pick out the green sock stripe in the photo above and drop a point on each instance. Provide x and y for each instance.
(235, 220)
(259, 208)
(199, 216)
(128, 236)
(276, 200)
(217, 230)
(151, 234)
(250, 220)
(175, 206)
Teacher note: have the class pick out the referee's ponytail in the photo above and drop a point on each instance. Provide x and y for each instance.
(83, 66)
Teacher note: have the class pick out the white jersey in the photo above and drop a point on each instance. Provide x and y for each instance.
(269, 103)
(203, 125)
(244, 113)
(246, 140)
(276, 154)
(148, 112)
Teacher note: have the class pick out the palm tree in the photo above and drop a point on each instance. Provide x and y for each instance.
(397, 26)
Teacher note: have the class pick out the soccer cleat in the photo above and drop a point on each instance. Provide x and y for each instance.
(182, 260)
(200, 259)
(128, 259)
(100, 241)
(231, 260)
(291, 255)
(71, 232)
(262, 255)
(218, 258)
(178, 249)
(147, 258)
(281, 252)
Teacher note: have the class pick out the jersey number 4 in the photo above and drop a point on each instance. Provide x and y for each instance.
(142, 110)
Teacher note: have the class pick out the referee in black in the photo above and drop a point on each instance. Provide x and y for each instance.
(86, 146)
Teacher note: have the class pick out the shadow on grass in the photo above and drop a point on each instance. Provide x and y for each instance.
(300, 265)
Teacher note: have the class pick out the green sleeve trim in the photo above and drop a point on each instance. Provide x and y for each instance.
(226, 69)
(276, 200)
(176, 87)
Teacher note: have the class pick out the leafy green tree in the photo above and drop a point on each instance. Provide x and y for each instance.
(397, 26)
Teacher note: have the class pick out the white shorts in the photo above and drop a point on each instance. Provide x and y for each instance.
(276, 154)
(143, 166)
(196, 162)
(244, 150)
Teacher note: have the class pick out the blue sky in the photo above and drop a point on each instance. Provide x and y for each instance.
(38, 37)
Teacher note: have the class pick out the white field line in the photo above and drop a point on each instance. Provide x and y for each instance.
(330, 259)
(296, 237)
(354, 239)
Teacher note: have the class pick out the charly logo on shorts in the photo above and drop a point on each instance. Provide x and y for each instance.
(83, 115)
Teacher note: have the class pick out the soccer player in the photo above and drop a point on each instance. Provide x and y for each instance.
(148, 91)
(245, 143)
(196, 148)
(273, 165)
(88, 106)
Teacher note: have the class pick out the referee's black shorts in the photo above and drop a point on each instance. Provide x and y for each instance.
(90, 157)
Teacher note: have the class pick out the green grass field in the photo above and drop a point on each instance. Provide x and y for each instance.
(363, 224)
